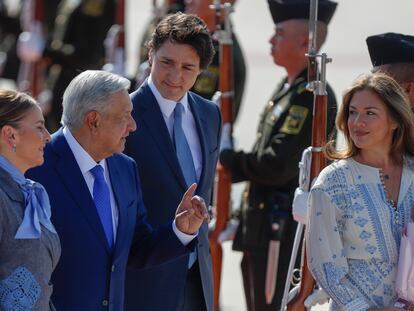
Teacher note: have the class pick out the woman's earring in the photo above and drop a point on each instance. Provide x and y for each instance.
(14, 148)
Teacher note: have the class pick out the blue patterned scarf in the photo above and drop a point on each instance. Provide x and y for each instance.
(37, 211)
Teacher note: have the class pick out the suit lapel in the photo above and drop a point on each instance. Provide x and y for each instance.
(118, 189)
(69, 171)
(201, 124)
(154, 121)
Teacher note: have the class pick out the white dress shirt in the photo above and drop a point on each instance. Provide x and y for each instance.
(188, 124)
(86, 163)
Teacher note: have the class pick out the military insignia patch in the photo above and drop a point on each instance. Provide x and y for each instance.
(295, 120)
(93, 8)
(206, 82)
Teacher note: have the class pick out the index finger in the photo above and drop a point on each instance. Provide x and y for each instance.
(190, 191)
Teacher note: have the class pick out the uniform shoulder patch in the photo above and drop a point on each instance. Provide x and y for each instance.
(295, 119)
(94, 8)
(206, 82)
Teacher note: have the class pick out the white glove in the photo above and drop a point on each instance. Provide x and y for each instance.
(143, 72)
(31, 44)
(111, 42)
(318, 296)
(217, 98)
(117, 67)
(300, 206)
(226, 139)
(229, 233)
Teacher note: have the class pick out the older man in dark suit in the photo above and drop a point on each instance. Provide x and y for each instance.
(96, 199)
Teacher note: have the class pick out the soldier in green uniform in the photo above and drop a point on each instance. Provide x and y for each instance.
(393, 53)
(271, 168)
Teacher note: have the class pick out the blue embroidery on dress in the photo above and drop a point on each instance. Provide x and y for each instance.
(379, 301)
(360, 222)
(341, 225)
(357, 207)
(333, 273)
(19, 291)
(365, 235)
(375, 222)
(388, 290)
(370, 249)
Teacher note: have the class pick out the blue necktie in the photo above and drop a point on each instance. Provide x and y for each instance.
(102, 201)
(182, 149)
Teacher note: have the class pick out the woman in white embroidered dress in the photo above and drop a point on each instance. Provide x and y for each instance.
(361, 202)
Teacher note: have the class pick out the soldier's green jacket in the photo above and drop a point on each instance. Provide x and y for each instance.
(284, 131)
(207, 82)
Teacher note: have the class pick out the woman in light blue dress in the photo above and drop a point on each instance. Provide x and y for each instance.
(360, 203)
(29, 245)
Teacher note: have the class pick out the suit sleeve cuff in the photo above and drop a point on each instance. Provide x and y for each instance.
(184, 238)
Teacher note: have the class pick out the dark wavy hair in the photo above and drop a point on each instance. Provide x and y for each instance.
(184, 29)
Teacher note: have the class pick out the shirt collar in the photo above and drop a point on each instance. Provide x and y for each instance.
(167, 106)
(83, 158)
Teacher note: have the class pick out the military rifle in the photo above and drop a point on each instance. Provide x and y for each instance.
(317, 84)
(223, 175)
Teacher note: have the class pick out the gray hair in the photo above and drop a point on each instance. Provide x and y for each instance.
(89, 91)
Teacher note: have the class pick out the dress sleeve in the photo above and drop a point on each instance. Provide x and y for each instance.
(326, 255)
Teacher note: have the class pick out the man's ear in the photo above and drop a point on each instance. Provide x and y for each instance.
(409, 90)
(150, 56)
(93, 121)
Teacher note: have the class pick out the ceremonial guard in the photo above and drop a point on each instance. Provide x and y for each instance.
(393, 54)
(271, 168)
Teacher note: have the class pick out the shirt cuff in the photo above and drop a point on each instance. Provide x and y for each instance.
(183, 237)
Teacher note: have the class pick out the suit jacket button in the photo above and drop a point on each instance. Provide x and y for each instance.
(113, 268)
(105, 303)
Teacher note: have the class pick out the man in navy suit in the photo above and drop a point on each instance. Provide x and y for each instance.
(179, 49)
(96, 199)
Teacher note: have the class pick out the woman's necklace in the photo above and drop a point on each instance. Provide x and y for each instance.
(388, 194)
